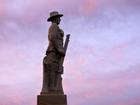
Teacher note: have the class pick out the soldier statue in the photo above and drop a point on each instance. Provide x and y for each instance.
(52, 80)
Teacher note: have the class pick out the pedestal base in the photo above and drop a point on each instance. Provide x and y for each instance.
(52, 99)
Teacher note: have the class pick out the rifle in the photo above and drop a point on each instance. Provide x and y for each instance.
(62, 58)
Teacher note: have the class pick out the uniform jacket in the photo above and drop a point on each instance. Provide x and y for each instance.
(55, 37)
(55, 47)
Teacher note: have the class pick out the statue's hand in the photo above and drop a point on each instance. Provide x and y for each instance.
(62, 52)
(61, 70)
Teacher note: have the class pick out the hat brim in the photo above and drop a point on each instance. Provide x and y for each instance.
(50, 18)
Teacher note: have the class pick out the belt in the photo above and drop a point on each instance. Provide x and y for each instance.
(47, 52)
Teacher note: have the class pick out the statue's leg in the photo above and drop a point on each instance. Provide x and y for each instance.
(59, 84)
(52, 78)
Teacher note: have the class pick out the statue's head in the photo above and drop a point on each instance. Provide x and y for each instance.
(54, 15)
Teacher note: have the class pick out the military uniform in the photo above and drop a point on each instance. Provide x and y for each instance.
(55, 37)
(51, 60)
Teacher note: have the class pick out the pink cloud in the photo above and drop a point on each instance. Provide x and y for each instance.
(119, 51)
(2, 8)
(33, 10)
(88, 7)
(119, 84)
(134, 101)
(120, 3)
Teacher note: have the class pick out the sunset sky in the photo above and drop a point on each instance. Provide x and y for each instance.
(102, 64)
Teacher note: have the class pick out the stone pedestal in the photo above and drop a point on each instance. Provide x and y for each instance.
(52, 99)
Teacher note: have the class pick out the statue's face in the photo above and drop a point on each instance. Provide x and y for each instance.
(56, 20)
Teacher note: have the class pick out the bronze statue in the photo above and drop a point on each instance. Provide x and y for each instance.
(52, 62)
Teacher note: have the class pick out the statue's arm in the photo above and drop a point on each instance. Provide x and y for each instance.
(53, 37)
